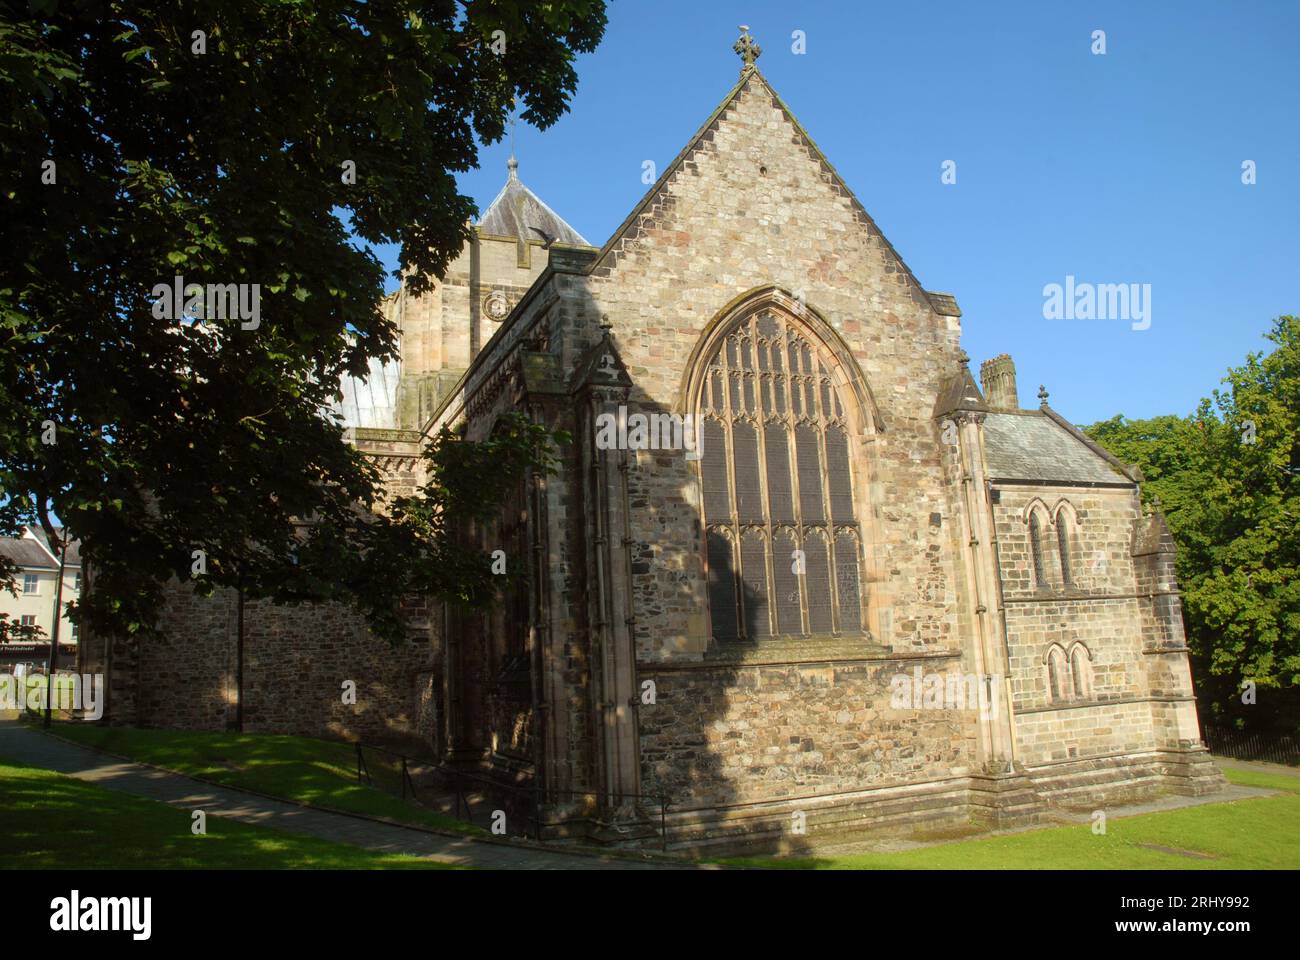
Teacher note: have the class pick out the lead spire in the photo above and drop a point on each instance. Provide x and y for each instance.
(747, 49)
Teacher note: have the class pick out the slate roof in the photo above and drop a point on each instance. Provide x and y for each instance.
(73, 559)
(26, 553)
(1030, 445)
(515, 200)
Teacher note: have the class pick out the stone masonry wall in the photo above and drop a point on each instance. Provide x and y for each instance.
(296, 656)
(752, 211)
(721, 735)
(1099, 610)
(753, 207)
(296, 659)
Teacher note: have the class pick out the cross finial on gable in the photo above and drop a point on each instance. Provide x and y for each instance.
(747, 49)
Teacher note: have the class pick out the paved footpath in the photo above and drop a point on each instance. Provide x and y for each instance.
(20, 742)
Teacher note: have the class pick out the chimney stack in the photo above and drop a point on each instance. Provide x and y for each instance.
(998, 380)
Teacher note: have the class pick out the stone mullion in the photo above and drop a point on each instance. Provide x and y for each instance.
(859, 550)
(853, 527)
(773, 622)
(824, 464)
(792, 450)
(733, 497)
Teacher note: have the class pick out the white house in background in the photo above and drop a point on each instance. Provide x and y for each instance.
(36, 582)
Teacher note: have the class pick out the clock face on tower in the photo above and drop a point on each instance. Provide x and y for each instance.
(496, 306)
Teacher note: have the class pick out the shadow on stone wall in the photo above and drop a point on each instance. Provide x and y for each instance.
(691, 742)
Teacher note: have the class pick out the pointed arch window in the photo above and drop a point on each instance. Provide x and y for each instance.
(1036, 550)
(783, 542)
(1081, 670)
(1056, 674)
(1064, 526)
(1063, 546)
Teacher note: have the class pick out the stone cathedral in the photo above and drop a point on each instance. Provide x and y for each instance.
(872, 594)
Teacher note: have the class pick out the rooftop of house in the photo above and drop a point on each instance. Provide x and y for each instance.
(31, 550)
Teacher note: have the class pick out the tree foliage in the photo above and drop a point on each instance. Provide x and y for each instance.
(1228, 480)
(422, 542)
(211, 141)
(15, 631)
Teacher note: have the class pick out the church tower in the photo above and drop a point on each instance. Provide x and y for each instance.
(444, 328)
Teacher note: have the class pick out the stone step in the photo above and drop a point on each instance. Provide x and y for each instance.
(1098, 782)
(770, 826)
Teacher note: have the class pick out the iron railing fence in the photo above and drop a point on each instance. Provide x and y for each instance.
(1268, 746)
(433, 785)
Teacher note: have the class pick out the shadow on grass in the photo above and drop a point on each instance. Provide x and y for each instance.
(52, 821)
(317, 772)
(1261, 833)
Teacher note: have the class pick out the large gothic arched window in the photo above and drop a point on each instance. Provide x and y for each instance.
(783, 543)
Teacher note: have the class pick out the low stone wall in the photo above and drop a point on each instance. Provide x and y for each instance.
(300, 663)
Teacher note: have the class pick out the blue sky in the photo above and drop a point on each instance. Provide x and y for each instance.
(1122, 168)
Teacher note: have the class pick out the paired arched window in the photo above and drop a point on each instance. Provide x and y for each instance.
(1063, 523)
(1069, 677)
(783, 544)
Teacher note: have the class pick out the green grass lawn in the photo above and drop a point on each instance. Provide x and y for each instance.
(317, 772)
(1257, 834)
(1268, 781)
(53, 821)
